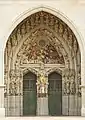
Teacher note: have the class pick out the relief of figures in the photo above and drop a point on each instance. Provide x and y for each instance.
(15, 82)
(37, 54)
(72, 85)
(12, 88)
(69, 83)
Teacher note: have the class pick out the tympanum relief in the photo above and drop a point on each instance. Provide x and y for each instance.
(40, 51)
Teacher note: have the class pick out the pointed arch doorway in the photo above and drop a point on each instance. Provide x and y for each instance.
(49, 42)
(55, 94)
(29, 94)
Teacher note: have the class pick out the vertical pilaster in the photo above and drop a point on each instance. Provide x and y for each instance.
(83, 85)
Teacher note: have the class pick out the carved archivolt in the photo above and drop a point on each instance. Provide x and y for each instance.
(42, 19)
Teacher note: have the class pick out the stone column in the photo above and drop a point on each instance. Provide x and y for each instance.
(2, 109)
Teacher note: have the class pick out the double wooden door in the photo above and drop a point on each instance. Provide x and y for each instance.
(54, 94)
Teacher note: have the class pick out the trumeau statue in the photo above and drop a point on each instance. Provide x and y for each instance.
(42, 84)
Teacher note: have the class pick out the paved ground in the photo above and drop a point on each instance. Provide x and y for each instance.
(42, 118)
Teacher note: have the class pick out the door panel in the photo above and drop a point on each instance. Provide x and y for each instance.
(29, 94)
(55, 94)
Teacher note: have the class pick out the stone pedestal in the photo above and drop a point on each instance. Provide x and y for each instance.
(42, 106)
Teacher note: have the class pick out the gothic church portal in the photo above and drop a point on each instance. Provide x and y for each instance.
(42, 68)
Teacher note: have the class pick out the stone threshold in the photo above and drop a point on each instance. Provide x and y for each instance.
(44, 118)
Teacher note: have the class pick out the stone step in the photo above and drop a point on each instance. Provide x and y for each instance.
(42, 118)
